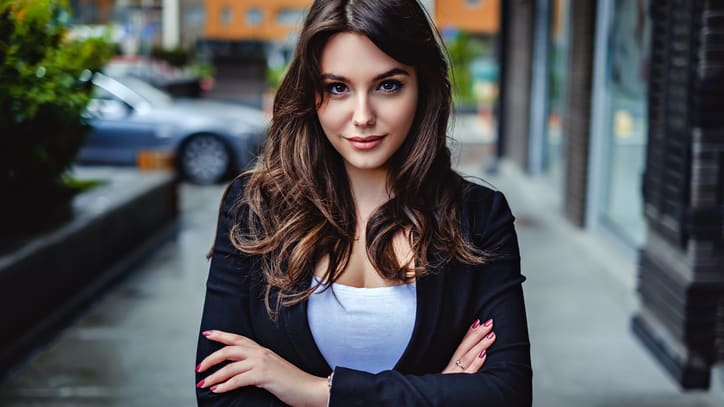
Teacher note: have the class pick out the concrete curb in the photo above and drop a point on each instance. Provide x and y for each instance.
(48, 279)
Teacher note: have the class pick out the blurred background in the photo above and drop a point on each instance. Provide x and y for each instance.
(123, 120)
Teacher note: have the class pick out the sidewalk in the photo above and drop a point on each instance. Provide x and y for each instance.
(580, 295)
(136, 346)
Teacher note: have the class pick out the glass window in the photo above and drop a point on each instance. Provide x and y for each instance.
(227, 16)
(290, 16)
(626, 89)
(194, 16)
(557, 62)
(254, 16)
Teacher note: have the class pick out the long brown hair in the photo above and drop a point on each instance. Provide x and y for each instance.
(297, 206)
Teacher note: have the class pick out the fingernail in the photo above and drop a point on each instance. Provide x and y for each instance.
(490, 335)
(476, 323)
(206, 333)
(488, 322)
(198, 367)
(199, 384)
(213, 388)
(482, 354)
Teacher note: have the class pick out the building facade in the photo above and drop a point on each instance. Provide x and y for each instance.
(610, 103)
(274, 20)
(472, 16)
(173, 23)
(253, 20)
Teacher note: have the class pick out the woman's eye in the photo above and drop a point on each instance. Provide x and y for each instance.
(390, 86)
(336, 88)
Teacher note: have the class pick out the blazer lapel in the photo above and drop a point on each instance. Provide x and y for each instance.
(295, 323)
(429, 301)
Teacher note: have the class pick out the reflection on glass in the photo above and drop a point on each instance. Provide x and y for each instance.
(291, 16)
(626, 85)
(555, 90)
(227, 16)
(254, 16)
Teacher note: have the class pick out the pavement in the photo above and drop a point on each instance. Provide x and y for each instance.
(580, 296)
(135, 346)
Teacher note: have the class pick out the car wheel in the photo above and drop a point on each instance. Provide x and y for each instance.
(204, 159)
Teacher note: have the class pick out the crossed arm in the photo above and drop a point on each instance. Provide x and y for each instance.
(254, 365)
(236, 370)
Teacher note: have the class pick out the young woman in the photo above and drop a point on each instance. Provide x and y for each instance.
(352, 266)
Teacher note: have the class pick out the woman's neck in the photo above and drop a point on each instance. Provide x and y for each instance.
(369, 190)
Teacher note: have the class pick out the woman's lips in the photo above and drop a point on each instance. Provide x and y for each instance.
(365, 143)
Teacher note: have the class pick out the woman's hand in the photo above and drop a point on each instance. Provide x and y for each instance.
(253, 365)
(471, 353)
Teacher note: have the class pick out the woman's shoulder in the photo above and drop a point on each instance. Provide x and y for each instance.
(483, 198)
(237, 186)
(234, 192)
(484, 209)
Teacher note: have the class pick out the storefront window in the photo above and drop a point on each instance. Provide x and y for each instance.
(626, 88)
(227, 16)
(557, 58)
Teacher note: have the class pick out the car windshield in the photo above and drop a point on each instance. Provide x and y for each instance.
(150, 94)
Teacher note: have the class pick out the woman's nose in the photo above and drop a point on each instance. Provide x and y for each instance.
(364, 115)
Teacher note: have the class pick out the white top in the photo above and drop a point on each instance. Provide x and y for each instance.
(365, 329)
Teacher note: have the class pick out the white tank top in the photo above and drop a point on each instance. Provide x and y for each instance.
(365, 329)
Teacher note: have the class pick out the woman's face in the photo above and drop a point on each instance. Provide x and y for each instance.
(370, 101)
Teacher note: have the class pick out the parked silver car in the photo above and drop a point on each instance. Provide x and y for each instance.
(209, 139)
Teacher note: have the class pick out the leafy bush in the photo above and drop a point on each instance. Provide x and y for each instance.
(176, 57)
(44, 88)
(274, 76)
(461, 55)
(185, 59)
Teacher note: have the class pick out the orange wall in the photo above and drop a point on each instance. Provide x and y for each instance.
(267, 29)
(482, 18)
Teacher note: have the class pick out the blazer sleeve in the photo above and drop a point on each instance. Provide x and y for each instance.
(506, 377)
(225, 307)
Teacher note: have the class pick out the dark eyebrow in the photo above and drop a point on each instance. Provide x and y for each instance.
(391, 72)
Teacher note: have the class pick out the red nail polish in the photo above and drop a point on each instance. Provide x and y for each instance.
(490, 335)
(488, 322)
(476, 323)
(198, 368)
(213, 388)
(482, 354)
(206, 333)
(199, 384)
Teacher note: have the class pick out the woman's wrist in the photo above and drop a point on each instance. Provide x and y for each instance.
(329, 387)
(320, 392)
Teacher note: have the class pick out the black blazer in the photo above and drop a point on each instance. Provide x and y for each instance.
(448, 301)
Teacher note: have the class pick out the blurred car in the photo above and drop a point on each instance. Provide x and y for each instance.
(209, 139)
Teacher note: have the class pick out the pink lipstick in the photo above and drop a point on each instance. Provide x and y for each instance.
(365, 143)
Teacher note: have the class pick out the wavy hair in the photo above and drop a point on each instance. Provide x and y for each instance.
(298, 207)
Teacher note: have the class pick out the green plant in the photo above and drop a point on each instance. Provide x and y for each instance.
(44, 89)
(203, 69)
(460, 51)
(176, 57)
(274, 76)
(186, 59)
